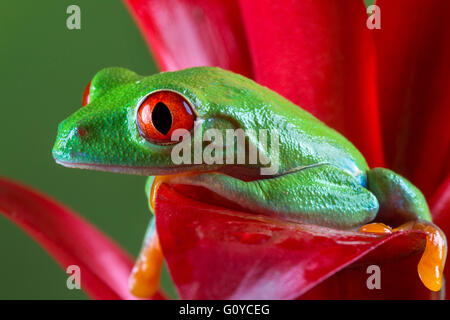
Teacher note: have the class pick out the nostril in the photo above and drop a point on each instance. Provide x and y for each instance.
(82, 131)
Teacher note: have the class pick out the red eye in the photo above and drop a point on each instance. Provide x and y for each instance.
(163, 112)
(86, 95)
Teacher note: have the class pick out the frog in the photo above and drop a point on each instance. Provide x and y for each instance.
(152, 126)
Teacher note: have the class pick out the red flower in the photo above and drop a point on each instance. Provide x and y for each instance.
(385, 90)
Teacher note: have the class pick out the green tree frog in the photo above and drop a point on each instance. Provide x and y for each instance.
(128, 123)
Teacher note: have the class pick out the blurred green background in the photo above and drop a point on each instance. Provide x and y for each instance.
(44, 69)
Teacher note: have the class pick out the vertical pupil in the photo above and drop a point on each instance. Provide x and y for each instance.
(161, 118)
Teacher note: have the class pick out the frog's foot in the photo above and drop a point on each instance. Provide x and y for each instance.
(432, 262)
(400, 201)
(144, 278)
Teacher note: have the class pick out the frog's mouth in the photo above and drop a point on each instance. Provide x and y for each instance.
(135, 170)
(240, 172)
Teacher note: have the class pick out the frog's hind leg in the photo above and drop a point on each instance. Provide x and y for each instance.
(400, 201)
(144, 278)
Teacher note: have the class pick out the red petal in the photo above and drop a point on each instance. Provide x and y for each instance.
(70, 240)
(440, 205)
(440, 209)
(413, 46)
(399, 280)
(185, 34)
(320, 55)
(216, 253)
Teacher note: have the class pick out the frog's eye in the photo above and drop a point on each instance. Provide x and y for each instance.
(86, 94)
(161, 113)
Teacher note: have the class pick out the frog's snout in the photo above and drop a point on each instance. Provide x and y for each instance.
(70, 141)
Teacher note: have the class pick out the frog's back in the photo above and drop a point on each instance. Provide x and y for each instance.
(303, 139)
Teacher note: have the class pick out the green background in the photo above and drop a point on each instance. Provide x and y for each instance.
(44, 69)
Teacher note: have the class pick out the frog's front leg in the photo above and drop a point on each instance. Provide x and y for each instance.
(323, 195)
(400, 201)
(144, 278)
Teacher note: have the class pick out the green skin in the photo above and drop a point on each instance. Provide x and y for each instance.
(322, 178)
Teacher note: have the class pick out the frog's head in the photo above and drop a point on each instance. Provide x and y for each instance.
(132, 124)
(128, 120)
